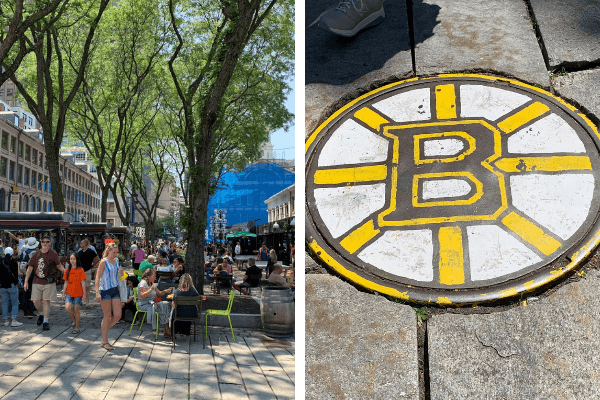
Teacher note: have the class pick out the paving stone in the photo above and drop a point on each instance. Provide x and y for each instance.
(204, 388)
(546, 350)
(570, 29)
(243, 354)
(227, 370)
(232, 392)
(582, 87)
(280, 383)
(478, 35)
(63, 387)
(286, 360)
(263, 356)
(7, 383)
(256, 384)
(93, 389)
(179, 366)
(176, 389)
(358, 345)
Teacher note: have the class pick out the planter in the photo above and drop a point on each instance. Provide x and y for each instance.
(277, 311)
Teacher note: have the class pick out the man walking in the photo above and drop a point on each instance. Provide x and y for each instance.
(42, 291)
(89, 261)
(29, 249)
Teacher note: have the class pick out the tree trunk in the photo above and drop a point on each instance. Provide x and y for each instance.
(53, 162)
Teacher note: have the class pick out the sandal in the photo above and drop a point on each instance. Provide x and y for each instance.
(107, 346)
(72, 327)
(75, 331)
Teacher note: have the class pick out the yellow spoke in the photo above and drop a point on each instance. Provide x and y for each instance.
(351, 175)
(445, 101)
(522, 117)
(554, 163)
(452, 271)
(532, 234)
(370, 118)
(359, 236)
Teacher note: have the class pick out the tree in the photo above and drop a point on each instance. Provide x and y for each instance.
(233, 77)
(119, 101)
(19, 16)
(55, 74)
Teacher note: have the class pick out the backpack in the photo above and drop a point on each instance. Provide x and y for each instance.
(25, 257)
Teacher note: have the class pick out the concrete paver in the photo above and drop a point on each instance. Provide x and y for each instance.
(570, 30)
(544, 350)
(478, 35)
(57, 364)
(578, 86)
(357, 345)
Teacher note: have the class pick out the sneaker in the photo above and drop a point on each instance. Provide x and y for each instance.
(16, 323)
(352, 16)
(6, 323)
(46, 326)
(40, 319)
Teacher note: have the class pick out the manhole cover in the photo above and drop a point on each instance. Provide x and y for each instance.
(454, 189)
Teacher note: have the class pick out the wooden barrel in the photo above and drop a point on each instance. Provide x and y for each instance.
(277, 311)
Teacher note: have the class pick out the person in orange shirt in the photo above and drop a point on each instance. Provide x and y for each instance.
(74, 290)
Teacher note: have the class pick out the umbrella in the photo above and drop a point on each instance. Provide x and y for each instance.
(240, 235)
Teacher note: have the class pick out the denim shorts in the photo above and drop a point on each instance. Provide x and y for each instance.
(110, 294)
(75, 300)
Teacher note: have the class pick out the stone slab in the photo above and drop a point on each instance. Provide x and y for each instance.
(340, 68)
(477, 35)
(358, 345)
(570, 30)
(582, 87)
(545, 350)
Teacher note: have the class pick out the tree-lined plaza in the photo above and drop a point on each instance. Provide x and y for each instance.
(154, 89)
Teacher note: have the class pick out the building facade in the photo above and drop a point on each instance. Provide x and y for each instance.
(24, 178)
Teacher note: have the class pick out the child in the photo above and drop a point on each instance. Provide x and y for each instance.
(74, 290)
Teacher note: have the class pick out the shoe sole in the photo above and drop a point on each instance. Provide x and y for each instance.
(374, 19)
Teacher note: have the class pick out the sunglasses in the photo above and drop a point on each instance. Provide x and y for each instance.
(45, 241)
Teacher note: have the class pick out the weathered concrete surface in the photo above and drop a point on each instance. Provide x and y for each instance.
(358, 346)
(478, 35)
(570, 29)
(582, 87)
(339, 69)
(546, 350)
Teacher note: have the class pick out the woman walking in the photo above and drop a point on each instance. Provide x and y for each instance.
(271, 262)
(147, 291)
(9, 272)
(74, 291)
(107, 291)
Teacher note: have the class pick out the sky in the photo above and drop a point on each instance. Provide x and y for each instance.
(283, 142)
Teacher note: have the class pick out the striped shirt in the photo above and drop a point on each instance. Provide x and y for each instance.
(110, 276)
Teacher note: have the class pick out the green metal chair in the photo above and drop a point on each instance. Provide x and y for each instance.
(220, 312)
(143, 312)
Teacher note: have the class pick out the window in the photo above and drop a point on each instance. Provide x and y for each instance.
(111, 207)
(27, 153)
(40, 182)
(69, 174)
(26, 177)
(41, 156)
(3, 162)
(19, 174)
(11, 170)
(20, 149)
(34, 179)
(13, 144)
(9, 92)
(79, 156)
(34, 156)
(5, 140)
(45, 183)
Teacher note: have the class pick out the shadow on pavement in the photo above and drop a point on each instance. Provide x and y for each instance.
(337, 60)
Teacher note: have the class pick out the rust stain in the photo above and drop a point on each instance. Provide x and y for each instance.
(324, 374)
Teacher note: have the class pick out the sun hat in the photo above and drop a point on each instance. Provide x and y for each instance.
(32, 243)
(8, 251)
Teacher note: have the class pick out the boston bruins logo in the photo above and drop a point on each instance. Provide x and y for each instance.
(453, 189)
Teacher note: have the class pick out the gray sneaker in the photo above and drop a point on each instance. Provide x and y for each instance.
(352, 16)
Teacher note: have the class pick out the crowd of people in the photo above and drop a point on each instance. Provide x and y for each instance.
(31, 269)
